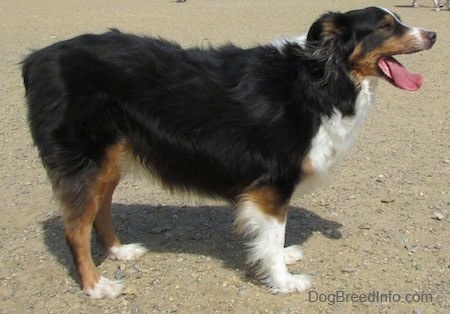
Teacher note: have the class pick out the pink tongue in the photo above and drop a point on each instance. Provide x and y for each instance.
(399, 75)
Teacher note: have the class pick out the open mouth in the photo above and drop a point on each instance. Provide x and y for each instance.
(398, 75)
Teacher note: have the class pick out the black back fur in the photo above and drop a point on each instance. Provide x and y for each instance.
(211, 120)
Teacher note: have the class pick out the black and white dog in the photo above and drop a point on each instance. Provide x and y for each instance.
(249, 126)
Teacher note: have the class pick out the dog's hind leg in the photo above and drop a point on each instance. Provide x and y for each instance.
(105, 231)
(261, 218)
(78, 237)
(86, 203)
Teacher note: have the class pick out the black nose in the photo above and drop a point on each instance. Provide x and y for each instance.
(432, 36)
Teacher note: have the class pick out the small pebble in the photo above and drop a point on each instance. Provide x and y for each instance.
(119, 274)
(241, 292)
(158, 230)
(438, 216)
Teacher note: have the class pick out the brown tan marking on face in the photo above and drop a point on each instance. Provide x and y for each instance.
(365, 64)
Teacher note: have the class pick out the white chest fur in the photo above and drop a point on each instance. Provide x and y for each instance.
(336, 134)
(335, 137)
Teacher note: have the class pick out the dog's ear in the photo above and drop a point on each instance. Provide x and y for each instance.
(333, 25)
(330, 42)
(334, 31)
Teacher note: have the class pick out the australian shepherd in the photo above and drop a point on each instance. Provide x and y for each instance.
(249, 126)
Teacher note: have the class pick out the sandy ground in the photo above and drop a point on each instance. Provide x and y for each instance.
(374, 231)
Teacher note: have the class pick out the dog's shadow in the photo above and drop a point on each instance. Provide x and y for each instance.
(204, 231)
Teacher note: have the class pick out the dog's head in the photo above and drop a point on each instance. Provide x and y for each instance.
(366, 41)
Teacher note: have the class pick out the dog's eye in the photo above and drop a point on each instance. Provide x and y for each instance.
(387, 26)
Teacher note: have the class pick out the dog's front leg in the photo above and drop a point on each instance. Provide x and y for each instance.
(261, 219)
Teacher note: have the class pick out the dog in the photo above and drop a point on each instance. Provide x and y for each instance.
(249, 126)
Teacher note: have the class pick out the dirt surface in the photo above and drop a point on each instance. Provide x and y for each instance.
(380, 231)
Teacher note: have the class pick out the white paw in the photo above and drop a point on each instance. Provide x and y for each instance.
(291, 283)
(127, 252)
(106, 288)
(292, 254)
